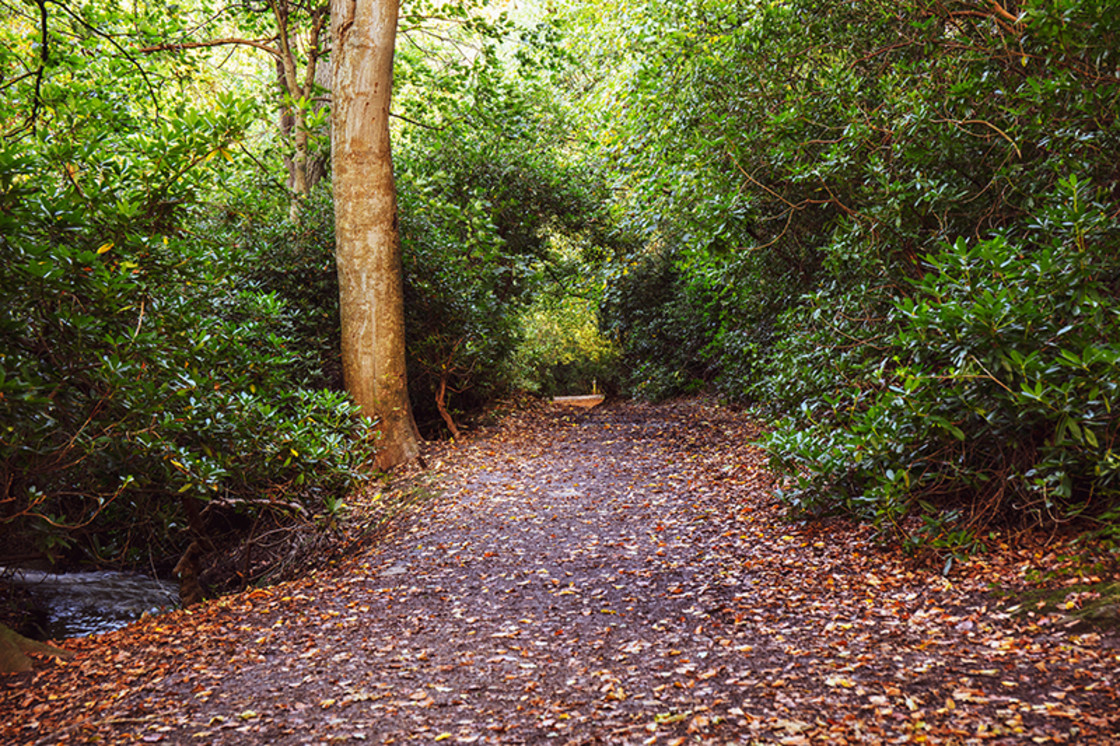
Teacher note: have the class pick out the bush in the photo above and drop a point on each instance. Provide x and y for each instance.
(296, 263)
(563, 352)
(866, 220)
(993, 397)
(145, 390)
(658, 321)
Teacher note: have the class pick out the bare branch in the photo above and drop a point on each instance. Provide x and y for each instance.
(44, 56)
(961, 122)
(180, 46)
(1002, 12)
(403, 118)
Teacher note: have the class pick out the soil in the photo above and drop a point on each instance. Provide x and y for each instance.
(622, 575)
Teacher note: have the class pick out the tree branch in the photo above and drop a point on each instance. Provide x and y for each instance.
(44, 55)
(403, 118)
(180, 46)
(1002, 12)
(322, 15)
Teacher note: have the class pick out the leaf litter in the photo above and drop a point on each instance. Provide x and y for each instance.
(621, 576)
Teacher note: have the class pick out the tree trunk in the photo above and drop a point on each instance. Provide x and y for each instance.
(441, 405)
(367, 242)
(296, 96)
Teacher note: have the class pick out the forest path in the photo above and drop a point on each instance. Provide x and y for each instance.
(615, 576)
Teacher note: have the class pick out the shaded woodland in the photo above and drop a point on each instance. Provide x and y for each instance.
(890, 230)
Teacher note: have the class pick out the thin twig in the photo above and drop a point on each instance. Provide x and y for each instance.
(181, 45)
(403, 118)
(961, 122)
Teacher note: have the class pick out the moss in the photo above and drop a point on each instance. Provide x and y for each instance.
(1090, 603)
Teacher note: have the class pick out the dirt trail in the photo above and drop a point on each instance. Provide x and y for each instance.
(615, 576)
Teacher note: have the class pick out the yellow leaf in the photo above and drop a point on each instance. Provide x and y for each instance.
(104, 247)
(443, 736)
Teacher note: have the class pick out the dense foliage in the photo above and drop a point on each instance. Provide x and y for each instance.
(148, 394)
(170, 378)
(898, 226)
(483, 200)
(144, 388)
(894, 228)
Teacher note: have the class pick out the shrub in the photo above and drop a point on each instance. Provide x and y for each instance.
(145, 392)
(994, 394)
(658, 322)
(874, 229)
(563, 351)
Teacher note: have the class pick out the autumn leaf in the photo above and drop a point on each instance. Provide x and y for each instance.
(532, 600)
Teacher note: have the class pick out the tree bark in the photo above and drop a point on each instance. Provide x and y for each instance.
(293, 116)
(367, 240)
(441, 405)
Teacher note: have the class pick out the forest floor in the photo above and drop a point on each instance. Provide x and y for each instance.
(617, 576)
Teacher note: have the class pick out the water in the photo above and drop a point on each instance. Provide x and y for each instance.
(84, 603)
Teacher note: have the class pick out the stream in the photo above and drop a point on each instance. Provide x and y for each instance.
(83, 603)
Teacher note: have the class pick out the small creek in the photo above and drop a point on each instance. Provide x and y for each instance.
(83, 603)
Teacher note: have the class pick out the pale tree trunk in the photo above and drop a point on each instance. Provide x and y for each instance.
(293, 119)
(317, 161)
(367, 242)
(305, 168)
